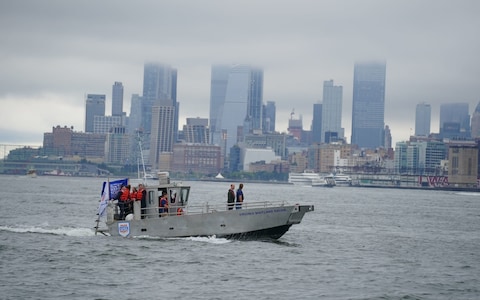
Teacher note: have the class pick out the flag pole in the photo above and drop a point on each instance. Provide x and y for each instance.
(107, 185)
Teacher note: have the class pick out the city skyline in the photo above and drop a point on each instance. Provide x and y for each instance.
(49, 67)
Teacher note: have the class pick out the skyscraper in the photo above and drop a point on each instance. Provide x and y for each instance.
(332, 110)
(196, 131)
(368, 109)
(476, 122)
(94, 106)
(317, 123)
(161, 137)
(160, 111)
(159, 88)
(269, 119)
(454, 121)
(422, 119)
(117, 99)
(236, 97)
(218, 90)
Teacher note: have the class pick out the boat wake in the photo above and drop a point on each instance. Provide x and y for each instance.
(210, 239)
(66, 231)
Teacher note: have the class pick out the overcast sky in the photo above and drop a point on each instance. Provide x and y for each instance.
(53, 53)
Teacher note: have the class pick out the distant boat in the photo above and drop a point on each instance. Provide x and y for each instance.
(56, 172)
(32, 173)
(342, 180)
(306, 178)
(326, 181)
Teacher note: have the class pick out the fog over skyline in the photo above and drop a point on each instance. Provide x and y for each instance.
(53, 53)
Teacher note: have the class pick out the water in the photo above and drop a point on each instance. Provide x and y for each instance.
(359, 243)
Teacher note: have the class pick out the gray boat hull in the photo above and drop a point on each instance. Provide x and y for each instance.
(248, 223)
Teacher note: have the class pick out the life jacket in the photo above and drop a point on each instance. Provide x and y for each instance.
(133, 196)
(179, 211)
(139, 194)
(125, 195)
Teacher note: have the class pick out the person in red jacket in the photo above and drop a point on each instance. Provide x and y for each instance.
(124, 201)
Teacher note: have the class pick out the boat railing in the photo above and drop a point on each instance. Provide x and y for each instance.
(205, 208)
(209, 208)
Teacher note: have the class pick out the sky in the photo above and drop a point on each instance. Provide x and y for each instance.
(53, 53)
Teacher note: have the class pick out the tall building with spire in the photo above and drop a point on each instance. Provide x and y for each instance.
(423, 114)
(368, 111)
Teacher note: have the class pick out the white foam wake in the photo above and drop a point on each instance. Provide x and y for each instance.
(67, 231)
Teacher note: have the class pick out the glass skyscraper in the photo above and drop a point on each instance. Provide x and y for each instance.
(159, 88)
(117, 99)
(423, 114)
(332, 110)
(94, 106)
(368, 111)
(236, 103)
(454, 121)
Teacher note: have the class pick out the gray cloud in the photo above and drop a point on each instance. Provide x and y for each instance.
(55, 50)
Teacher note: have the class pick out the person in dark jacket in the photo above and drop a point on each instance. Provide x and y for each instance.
(231, 197)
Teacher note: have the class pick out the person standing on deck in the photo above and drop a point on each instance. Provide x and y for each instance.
(142, 197)
(163, 203)
(231, 197)
(240, 196)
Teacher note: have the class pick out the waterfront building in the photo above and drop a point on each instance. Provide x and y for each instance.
(253, 155)
(331, 111)
(197, 158)
(423, 114)
(94, 106)
(63, 141)
(275, 141)
(117, 146)
(463, 166)
(368, 105)
(103, 124)
(196, 131)
(419, 157)
(332, 157)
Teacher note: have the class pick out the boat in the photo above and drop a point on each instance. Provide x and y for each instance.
(305, 178)
(32, 173)
(255, 220)
(342, 180)
(56, 172)
(326, 181)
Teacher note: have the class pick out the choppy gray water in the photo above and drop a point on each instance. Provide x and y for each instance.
(359, 243)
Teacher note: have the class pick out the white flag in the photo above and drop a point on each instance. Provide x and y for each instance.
(102, 208)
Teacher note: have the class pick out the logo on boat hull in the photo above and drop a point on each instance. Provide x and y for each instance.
(124, 229)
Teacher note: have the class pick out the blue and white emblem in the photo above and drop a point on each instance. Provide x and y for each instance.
(124, 228)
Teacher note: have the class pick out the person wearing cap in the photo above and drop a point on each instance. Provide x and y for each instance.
(163, 204)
